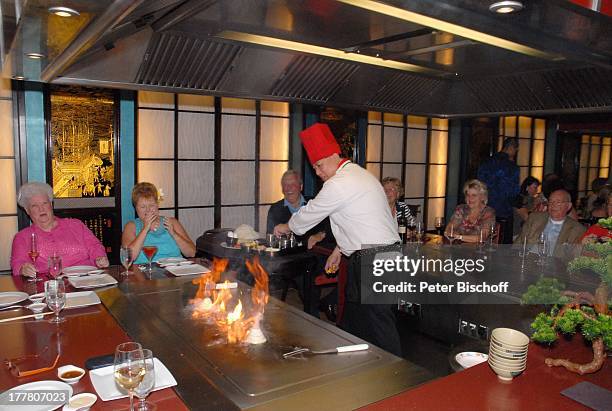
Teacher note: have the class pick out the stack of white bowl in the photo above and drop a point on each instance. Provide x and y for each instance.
(508, 353)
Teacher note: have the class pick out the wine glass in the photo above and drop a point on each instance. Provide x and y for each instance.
(54, 263)
(148, 382)
(129, 368)
(482, 239)
(418, 232)
(33, 254)
(450, 234)
(125, 256)
(439, 224)
(55, 296)
(149, 252)
(542, 249)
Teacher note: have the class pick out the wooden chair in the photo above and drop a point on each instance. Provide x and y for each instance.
(323, 280)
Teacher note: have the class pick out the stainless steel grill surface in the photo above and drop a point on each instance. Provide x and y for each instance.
(214, 375)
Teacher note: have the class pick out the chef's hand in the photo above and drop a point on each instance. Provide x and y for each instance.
(333, 261)
(281, 229)
(101, 262)
(28, 270)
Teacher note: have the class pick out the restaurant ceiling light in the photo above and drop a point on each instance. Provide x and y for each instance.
(323, 51)
(35, 56)
(19, 77)
(63, 11)
(505, 7)
(450, 28)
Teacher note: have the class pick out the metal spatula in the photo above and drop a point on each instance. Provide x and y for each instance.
(346, 348)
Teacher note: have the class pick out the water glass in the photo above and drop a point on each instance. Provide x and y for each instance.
(482, 239)
(129, 368)
(54, 263)
(492, 232)
(542, 249)
(418, 232)
(148, 382)
(125, 256)
(55, 296)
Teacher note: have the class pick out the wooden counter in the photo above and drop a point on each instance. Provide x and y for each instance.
(477, 388)
(87, 332)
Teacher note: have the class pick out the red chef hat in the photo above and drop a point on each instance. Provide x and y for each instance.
(319, 142)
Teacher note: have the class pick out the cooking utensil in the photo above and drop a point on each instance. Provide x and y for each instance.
(346, 348)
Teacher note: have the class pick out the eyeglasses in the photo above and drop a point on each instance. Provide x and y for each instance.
(13, 365)
(557, 203)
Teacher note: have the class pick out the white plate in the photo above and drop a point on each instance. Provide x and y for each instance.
(12, 297)
(191, 269)
(37, 387)
(103, 380)
(78, 270)
(81, 299)
(92, 281)
(171, 260)
(469, 359)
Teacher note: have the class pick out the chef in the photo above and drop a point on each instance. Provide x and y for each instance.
(355, 202)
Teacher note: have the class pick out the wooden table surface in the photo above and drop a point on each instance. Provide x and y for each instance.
(537, 388)
(87, 332)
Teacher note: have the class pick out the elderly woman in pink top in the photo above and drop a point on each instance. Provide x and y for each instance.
(68, 238)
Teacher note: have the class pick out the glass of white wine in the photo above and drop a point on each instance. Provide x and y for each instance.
(129, 368)
(148, 382)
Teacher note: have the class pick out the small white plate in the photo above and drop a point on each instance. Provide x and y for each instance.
(12, 297)
(171, 260)
(81, 299)
(92, 281)
(191, 269)
(103, 381)
(37, 386)
(224, 245)
(469, 359)
(78, 270)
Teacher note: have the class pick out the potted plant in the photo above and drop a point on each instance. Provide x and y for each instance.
(577, 311)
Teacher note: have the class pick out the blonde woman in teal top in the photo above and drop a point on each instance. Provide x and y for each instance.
(166, 233)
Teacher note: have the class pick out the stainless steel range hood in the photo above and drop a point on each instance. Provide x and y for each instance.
(449, 58)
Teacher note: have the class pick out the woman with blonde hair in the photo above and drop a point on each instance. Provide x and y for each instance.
(474, 215)
(394, 190)
(166, 233)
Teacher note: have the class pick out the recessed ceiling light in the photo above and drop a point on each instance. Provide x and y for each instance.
(35, 56)
(505, 7)
(19, 77)
(63, 11)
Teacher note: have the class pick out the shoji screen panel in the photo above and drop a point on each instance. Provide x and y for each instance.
(595, 152)
(438, 165)
(8, 202)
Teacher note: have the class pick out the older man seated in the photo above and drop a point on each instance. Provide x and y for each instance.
(281, 211)
(556, 225)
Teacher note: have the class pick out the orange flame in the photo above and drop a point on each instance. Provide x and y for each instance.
(210, 303)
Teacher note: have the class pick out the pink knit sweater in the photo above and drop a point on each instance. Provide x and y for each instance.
(70, 239)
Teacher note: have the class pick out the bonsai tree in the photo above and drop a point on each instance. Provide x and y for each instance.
(577, 311)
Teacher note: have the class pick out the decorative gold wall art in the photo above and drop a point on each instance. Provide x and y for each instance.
(83, 142)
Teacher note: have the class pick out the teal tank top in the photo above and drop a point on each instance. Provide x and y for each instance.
(166, 246)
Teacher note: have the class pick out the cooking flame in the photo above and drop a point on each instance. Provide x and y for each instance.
(214, 304)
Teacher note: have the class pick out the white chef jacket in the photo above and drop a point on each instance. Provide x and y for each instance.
(357, 208)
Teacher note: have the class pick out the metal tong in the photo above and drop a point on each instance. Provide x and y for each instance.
(346, 348)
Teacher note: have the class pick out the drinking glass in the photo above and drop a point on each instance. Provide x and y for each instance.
(482, 239)
(148, 382)
(491, 238)
(33, 254)
(542, 249)
(411, 229)
(129, 368)
(450, 234)
(418, 232)
(439, 224)
(55, 265)
(149, 251)
(125, 256)
(55, 296)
